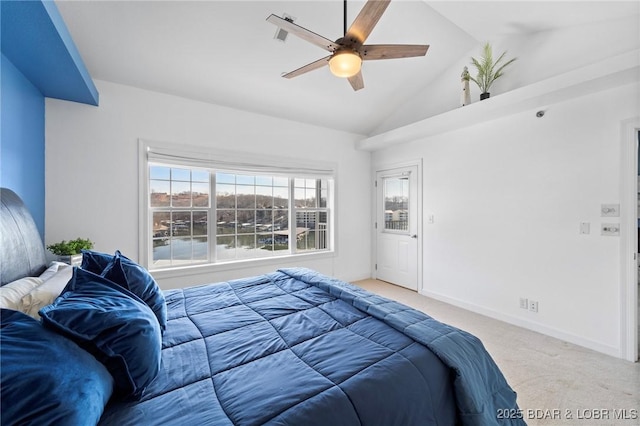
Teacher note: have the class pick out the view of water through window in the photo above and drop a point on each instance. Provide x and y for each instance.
(248, 216)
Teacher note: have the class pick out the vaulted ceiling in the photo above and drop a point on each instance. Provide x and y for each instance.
(224, 52)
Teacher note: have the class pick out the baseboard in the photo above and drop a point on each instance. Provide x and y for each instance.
(529, 325)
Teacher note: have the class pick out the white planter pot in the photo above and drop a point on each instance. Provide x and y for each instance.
(73, 260)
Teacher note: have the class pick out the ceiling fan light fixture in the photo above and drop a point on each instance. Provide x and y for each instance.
(345, 63)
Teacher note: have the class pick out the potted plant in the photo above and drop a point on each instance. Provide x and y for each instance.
(488, 70)
(70, 251)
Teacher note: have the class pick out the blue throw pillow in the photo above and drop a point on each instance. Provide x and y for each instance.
(124, 271)
(94, 261)
(46, 378)
(127, 273)
(111, 323)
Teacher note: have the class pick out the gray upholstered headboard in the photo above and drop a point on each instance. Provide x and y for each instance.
(21, 249)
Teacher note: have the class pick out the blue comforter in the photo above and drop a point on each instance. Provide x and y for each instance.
(299, 348)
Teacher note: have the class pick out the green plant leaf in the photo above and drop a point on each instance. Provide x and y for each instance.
(69, 248)
(486, 68)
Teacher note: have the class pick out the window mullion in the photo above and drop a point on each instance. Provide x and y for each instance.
(317, 240)
(213, 218)
(293, 224)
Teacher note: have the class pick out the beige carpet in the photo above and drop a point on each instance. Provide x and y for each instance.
(558, 383)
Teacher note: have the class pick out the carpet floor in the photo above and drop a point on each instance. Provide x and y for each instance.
(557, 383)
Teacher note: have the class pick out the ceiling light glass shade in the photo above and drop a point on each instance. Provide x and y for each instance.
(345, 63)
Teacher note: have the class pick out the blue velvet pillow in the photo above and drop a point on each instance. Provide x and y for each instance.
(139, 281)
(94, 261)
(127, 273)
(47, 379)
(111, 323)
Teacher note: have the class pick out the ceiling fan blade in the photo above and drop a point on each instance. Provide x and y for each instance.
(366, 20)
(391, 51)
(309, 67)
(303, 33)
(356, 81)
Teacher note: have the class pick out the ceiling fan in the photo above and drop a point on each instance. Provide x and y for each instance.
(348, 52)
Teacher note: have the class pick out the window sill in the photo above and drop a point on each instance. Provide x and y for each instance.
(208, 268)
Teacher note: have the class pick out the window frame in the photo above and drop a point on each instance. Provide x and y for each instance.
(287, 168)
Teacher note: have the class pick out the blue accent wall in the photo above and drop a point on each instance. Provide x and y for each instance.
(39, 59)
(22, 139)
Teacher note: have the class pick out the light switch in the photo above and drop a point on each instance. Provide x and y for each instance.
(430, 218)
(610, 210)
(585, 228)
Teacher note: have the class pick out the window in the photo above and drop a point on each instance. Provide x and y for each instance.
(207, 215)
(179, 204)
(396, 203)
(252, 216)
(311, 213)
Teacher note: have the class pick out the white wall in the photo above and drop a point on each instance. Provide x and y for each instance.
(508, 197)
(92, 169)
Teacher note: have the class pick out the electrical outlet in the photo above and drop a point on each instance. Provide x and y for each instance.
(533, 306)
(585, 228)
(524, 303)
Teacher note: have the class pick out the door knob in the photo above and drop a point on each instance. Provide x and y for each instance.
(414, 236)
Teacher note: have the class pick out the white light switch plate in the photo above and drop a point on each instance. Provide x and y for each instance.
(610, 210)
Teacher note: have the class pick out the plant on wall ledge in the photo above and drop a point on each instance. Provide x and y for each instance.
(488, 70)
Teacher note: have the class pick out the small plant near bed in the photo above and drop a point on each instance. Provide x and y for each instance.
(71, 247)
(69, 251)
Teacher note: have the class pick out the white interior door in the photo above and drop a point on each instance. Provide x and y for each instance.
(397, 226)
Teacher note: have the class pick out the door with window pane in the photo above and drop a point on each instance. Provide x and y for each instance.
(397, 226)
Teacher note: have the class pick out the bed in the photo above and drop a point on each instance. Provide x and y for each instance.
(293, 347)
